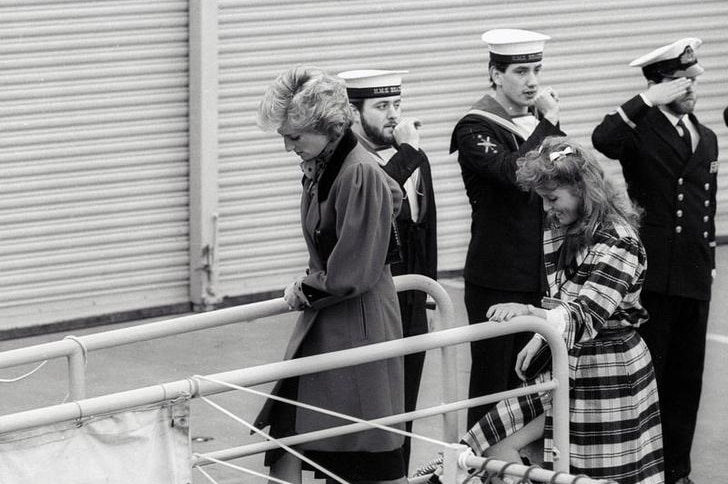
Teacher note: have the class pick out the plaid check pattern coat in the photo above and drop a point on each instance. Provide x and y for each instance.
(615, 429)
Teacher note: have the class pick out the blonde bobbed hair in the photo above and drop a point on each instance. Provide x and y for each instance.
(305, 98)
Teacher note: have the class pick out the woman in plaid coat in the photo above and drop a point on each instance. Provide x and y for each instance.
(595, 265)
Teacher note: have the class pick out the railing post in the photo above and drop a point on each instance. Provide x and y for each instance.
(448, 355)
(453, 470)
(560, 397)
(76, 374)
(444, 318)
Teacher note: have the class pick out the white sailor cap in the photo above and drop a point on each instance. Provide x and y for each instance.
(675, 60)
(515, 46)
(371, 83)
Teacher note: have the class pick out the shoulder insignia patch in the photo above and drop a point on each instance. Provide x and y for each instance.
(487, 144)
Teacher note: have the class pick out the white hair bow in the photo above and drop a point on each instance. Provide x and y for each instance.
(555, 155)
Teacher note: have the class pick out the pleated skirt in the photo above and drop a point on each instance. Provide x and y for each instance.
(615, 430)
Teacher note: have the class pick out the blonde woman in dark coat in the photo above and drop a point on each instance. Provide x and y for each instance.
(346, 296)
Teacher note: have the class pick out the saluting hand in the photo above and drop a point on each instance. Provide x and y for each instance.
(667, 92)
(406, 131)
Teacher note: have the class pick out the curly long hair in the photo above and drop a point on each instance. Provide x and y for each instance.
(305, 98)
(562, 162)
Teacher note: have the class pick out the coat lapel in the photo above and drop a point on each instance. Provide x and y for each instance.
(310, 217)
(333, 166)
(664, 130)
(699, 155)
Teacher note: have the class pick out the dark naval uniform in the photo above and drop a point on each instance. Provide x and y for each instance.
(419, 256)
(676, 187)
(418, 238)
(504, 260)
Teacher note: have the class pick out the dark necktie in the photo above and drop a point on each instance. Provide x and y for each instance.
(686, 136)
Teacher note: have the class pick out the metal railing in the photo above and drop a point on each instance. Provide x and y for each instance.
(414, 344)
(76, 348)
(212, 384)
(445, 339)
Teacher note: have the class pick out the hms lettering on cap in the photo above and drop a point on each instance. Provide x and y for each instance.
(515, 46)
(387, 90)
(372, 83)
(526, 58)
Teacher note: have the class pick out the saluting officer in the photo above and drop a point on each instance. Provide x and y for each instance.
(669, 161)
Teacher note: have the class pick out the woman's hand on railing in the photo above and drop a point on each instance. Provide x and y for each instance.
(506, 311)
(293, 295)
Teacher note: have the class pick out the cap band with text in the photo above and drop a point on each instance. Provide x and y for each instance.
(516, 58)
(515, 46)
(369, 92)
(372, 83)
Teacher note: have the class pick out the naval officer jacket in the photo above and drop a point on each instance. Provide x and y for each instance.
(505, 250)
(676, 189)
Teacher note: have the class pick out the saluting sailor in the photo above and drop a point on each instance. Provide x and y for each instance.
(504, 261)
(669, 161)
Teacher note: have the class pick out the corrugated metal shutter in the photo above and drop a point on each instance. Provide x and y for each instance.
(93, 158)
(439, 43)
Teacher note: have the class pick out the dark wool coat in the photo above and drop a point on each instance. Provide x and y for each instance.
(677, 191)
(346, 222)
(505, 243)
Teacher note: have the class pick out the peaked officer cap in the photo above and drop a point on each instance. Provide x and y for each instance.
(675, 60)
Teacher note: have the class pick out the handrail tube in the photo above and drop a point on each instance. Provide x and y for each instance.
(194, 322)
(284, 369)
(538, 473)
(258, 447)
(144, 332)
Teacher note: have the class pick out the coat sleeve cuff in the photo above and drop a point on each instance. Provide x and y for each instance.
(557, 317)
(403, 163)
(312, 294)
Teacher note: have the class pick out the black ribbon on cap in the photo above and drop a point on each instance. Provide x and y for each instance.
(516, 58)
(370, 92)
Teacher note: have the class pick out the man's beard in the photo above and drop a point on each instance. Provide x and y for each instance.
(376, 135)
(682, 106)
